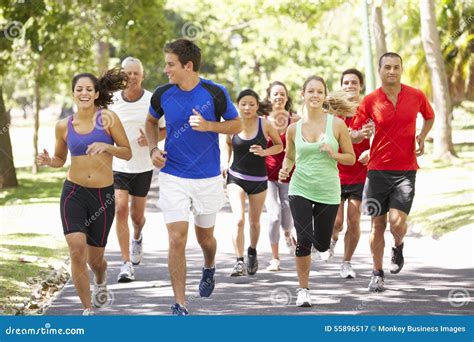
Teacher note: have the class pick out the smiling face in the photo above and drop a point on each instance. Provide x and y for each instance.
(248, 107)
(278, 97)
(84, 93)
(351, 85)
(175, 71)
(314, 94)
(135, 76)
(390, 71)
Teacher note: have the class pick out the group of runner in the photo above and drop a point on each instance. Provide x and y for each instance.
(302, 168)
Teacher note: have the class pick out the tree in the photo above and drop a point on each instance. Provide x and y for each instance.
(378, 28)
(443, 144)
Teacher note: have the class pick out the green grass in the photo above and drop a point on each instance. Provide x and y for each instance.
(43, 187)
(458, 211)
(14, 274)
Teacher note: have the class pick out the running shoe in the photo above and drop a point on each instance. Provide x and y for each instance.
(329, 254)
(127, 273)
(252, 264)
(239, 269)
(178, 310)
(303, 297)
(88, 312)
(377, 282)
(100, 294)
(346, 270)
(397, 261)
(315, 254)
(274, 265)
(137, 251)
(208, 282)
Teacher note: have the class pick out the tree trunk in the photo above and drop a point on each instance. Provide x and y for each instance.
(7, 166)
(378, 28)
(37, 92)
(470, 83)
(443, 143)
(103, 53)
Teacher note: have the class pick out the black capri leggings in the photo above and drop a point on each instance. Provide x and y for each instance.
(313, 223)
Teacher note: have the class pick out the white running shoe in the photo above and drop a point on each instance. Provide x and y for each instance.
(329, 254)
(291, 244)
(100, 294)
(377, 283)
(347, 271)
(127, 273)
(315, 254)
(274, 265)
(137, 251)
(88, 312)
(303, 298)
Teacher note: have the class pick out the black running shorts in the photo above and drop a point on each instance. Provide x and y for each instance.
(137, 184)
(388, 189)
(88, 210)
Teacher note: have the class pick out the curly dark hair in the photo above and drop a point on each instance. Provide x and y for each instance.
(112, 80)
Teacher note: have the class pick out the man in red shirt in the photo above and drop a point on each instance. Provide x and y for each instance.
(352, 182)
(390, 184)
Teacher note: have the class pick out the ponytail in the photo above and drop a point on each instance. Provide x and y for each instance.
(113, 80)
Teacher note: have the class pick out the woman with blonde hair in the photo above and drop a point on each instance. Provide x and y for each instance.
(315, 192)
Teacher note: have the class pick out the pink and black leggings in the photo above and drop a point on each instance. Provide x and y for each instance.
(88, 210)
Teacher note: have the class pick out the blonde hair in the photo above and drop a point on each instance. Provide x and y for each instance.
(339, 103)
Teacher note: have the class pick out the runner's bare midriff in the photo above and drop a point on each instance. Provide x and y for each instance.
(91, 171)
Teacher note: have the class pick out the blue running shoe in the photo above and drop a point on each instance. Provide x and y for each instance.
(178, 310)
(208, 282)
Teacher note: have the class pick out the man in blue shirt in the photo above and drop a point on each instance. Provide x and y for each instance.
(190, 164)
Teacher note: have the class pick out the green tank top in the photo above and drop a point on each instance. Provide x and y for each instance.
(316, 176)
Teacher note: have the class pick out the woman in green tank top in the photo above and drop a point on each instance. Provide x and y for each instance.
(315, 190)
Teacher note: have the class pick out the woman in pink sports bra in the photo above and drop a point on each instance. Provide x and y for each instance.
(93, 135)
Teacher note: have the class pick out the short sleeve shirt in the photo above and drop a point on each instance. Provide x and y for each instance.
(191, 154)
(133, 117)
(393, 146)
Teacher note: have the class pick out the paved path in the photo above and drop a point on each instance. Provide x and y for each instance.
(437, 278)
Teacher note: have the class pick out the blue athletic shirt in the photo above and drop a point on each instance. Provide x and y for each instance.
(191, 154)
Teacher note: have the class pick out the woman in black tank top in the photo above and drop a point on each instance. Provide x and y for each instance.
(248, 175)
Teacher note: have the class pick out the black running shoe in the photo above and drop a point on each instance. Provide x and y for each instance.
(397, 262)
(252, 264)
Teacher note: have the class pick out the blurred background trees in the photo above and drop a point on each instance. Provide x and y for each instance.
(244, 43)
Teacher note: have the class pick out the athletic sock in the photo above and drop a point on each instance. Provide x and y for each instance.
(240, 259)
(251, 251)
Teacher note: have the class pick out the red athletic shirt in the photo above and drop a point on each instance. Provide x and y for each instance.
(393, 147)
(275, 162)
(354, 174)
